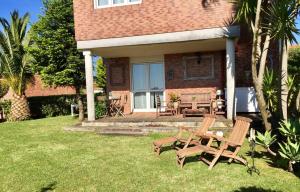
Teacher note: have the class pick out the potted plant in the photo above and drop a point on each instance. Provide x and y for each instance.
(174, 100)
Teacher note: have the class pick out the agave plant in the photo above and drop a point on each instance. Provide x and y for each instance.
(14, 62)
(290, 129)
(266, 140)
(291, 151)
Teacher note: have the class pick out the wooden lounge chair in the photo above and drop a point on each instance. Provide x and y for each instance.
(208, 122)
(234, 142)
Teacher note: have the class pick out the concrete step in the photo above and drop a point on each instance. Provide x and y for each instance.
(149, 124)
(121, 131)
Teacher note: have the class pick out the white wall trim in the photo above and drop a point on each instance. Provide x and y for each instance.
(212, 33)
(111, 4)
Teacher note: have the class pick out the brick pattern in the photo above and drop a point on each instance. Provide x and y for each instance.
(38, 89)
(123, 89)
(174, 62)
(149, 17)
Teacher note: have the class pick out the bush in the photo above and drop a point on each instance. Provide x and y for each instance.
(100, 109)
(5, 106)
(51, 106)
(3, 89)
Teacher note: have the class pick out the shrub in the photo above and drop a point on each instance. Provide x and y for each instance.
(100, 109)
(50, 106)
(5, 106)
(3, 89)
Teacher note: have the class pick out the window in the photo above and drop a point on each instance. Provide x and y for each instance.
(112, 3)
(199, 67)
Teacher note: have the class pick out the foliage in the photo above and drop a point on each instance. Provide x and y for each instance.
(174, 98)
(14, 59)
(5, 106)
(289, 145)
(3, 89)
(100, 109)
(54, 48)
(294, 60)
(270, 83)
(100, 74)
(266, 139)
(50, 106)
(291, 151)
(42, 154)
(271, 92)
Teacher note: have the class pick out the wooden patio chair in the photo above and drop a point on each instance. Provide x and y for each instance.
(228, 148)
(208, 122)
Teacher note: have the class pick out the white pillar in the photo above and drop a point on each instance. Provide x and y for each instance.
(230, 78)
(89, 85)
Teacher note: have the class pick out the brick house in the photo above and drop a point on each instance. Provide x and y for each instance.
(160, 47)
(37, 89)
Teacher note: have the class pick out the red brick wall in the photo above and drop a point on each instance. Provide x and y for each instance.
(123, 89)
(178, 85)
(149, 17)
(38, 89)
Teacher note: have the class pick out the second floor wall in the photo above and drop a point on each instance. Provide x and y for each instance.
(147, 17)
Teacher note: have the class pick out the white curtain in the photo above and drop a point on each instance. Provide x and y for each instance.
(140, 100)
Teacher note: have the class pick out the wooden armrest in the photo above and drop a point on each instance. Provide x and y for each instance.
(215, 137)
(186, 129)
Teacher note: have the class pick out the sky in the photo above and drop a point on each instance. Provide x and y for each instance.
(23, 6)
(34, 9)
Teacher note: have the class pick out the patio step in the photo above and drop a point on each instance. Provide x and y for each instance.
(149, 124)
(121, 131)
(131, 131)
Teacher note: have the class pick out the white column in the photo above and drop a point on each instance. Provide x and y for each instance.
(89, 85)
(230, 78)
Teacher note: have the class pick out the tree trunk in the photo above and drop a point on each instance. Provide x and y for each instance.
(80, 104)
(19, 108)
(290, 168)
(284, 77)
(261, 103)
(254, 60)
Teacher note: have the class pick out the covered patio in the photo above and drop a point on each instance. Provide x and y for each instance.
(128, 58)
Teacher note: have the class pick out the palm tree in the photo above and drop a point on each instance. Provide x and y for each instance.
(283, 14)
(14, 62)
(267, 20)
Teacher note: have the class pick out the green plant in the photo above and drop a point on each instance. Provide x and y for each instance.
(3, 89)
(58, 61)
(290, 129)
(270, 83)
(266, 140)
(291, 151)
(100, 74)
(6, 107)
(14, 62)
(100, 109)
(174, 98)
(50, 106)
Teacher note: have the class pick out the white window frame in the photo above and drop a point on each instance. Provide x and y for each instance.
(110, 4)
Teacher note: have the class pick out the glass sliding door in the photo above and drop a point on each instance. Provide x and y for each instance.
(147, 82)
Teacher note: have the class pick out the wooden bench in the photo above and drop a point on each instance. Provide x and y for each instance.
(196, 101)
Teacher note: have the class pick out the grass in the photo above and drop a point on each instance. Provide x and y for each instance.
(39, 155)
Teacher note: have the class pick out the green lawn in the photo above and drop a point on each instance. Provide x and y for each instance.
(39, 155)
